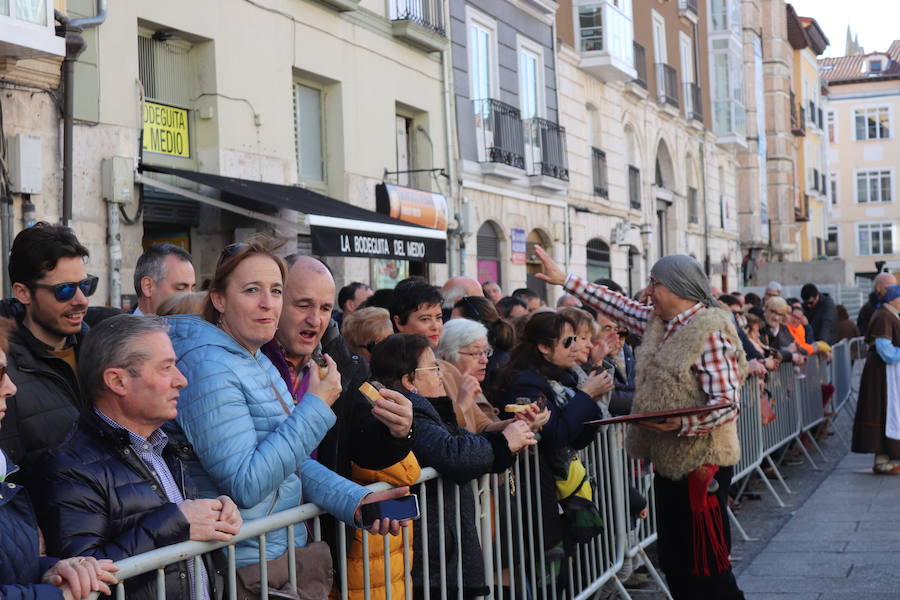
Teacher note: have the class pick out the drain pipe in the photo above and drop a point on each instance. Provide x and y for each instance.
(455, 208)
(71, 29)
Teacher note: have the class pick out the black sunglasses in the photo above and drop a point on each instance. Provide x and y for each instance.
(63, 292)
(229, 251)
(567, 342)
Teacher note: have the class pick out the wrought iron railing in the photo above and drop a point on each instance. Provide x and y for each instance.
(640, 65)
(545, 142)
(598, 169)
(690, 5)
(634, 186)
(666, 84)
(693, 101)
(498, 127)
(427, 13)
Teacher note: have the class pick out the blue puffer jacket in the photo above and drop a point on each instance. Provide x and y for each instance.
(21, 565)
(244, 445)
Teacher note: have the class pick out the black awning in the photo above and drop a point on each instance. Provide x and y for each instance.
(337, 228)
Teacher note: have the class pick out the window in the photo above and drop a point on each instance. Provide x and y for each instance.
(482, 36)
(833, 188)
(873, 123)
(590, 28)
(727, 88)
(875, 238)
(693, 213)
(725, 15)
(32, 11)
(831, 126)
(530, 81)
(875, 66)
(634, 187)
(487, 248)
(403, 145)
(310, 155)
(832, 247)
(873, 186)
(598, 162)
(598, 266)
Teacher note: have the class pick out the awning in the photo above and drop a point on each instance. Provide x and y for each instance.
(337, 228)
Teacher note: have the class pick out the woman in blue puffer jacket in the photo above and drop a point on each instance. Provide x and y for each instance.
(249, 439)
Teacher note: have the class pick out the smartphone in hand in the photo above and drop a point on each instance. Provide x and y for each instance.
(396, 509)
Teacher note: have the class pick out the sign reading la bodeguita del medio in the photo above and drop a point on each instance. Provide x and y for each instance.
(327, 241)
(166, 130)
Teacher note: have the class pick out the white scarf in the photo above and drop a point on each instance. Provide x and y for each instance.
(892, 425)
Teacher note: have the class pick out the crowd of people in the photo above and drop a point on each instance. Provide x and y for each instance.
(200, 410)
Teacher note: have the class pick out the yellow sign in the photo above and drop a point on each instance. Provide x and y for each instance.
(166, 130)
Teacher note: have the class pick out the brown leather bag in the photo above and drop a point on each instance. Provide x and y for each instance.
(315, 576)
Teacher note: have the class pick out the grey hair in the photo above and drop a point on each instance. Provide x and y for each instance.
(152, 263)
(774, 285)
(114, 342)
(456, 334)
(453, 294)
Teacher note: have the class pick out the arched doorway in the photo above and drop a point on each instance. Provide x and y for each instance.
(536, 237)
(487, 252)
(664, 178)
(598, 265)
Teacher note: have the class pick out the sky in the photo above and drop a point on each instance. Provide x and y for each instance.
(875, 22)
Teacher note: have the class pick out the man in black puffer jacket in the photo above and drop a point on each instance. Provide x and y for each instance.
(51, 288)
(116, 487)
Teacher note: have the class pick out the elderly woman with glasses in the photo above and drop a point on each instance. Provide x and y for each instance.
(406, 363)
(249, 440)
(463, 354)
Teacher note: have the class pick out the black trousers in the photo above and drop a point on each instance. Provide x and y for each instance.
(676, 554)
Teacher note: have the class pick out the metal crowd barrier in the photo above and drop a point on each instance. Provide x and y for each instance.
(508, 509)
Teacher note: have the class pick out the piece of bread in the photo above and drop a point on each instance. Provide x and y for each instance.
(370, 392)
(516, 408)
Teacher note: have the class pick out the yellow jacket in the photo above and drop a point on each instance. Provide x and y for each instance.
(405, 472)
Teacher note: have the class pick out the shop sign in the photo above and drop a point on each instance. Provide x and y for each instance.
(329, 241)
(517, 239)
(411, 205)
(166, 130)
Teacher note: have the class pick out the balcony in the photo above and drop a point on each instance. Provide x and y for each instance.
(499, 139)
(605, 41)
(666, 85)
(798, 123)
(545, 154)
(634, 187)
(598, 169)
(688, 10)
(27, 31)
(420, 23)
(693, 102)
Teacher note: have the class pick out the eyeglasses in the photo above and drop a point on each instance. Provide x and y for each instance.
(229, 251)
(435, 368)
(485, 353)
(63, 292)
(567, 342)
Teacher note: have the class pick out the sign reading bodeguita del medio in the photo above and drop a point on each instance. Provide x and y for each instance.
(328, 241)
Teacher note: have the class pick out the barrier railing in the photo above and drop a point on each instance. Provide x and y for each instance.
(508, 509)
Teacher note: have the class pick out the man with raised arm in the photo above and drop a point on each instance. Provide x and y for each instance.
(690, 356)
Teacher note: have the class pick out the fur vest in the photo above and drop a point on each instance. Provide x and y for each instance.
(665, 380)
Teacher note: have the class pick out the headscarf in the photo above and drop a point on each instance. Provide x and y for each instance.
(685, 277)
(891, 292)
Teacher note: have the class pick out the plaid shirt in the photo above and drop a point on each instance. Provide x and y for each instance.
(150, 450)
(716, 370)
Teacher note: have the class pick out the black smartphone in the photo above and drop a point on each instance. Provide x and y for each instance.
(397, 509)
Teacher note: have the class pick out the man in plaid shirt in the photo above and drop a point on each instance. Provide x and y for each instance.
(693, 455)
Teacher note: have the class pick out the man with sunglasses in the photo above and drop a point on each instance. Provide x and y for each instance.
(51, 288)
(821, 312)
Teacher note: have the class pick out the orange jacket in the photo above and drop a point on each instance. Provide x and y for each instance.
(799, 335)
(405, 472)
